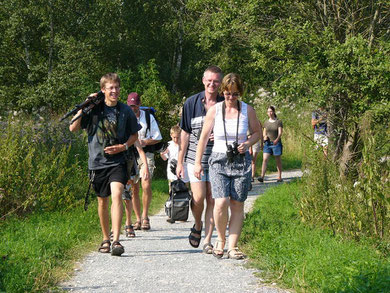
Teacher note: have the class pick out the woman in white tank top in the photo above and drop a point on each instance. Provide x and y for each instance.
(230, 162)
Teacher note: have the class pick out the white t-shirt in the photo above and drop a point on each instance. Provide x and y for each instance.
(173, 152)
(154, 132)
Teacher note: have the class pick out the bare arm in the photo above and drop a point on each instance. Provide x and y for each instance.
(184, 140)
(144, 160)
(280, 132)
(254, 127)
(204, 138)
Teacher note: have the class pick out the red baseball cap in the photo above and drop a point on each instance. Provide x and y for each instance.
(133, 99)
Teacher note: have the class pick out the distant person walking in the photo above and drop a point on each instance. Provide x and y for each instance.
(230, 161)
(192, 121)
(146, 136)
(272, 135)
(319, 121)
(134, 177)
(112, 128)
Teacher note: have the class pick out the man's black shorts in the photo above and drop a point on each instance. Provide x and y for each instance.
(102, 178)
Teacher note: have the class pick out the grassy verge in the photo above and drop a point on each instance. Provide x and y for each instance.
(39, 251)
(290, 253)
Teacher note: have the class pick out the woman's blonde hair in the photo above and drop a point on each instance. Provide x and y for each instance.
(232, 79)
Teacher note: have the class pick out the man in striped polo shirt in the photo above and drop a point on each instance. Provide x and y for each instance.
(193, 114)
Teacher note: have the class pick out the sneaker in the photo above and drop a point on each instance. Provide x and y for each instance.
(261, 179)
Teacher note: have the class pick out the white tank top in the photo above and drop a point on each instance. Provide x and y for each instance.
(231, 128)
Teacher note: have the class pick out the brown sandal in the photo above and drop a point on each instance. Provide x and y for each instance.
(129, 230)
(145, 224)
(137, 225)
(117, 249)
(235, 253)
(218, 249)
(103, 247)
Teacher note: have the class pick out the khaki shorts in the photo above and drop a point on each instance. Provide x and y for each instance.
(151, 164)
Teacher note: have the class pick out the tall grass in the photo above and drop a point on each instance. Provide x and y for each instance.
(43, 166)
(307, 259)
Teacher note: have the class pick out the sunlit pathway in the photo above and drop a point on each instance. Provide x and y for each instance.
(161, 260)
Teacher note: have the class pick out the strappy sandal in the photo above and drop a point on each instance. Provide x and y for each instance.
(103, 247)
(208, 248)
(193, 238)
(218, 252)
(145, 224)
(237, 254)
(137, 225)
(117, 249)
(129, 230)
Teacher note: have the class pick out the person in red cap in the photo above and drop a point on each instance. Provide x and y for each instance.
(146, 136)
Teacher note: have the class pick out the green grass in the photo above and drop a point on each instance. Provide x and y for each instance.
(39, 250)
(307, 259)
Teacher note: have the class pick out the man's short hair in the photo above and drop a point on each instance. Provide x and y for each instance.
(214, 69)
(175, 129)
(109, 77)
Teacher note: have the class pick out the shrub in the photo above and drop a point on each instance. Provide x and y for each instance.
(43, 168)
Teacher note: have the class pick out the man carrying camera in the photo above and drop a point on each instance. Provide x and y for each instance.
(192, 119)
(112, 128)
(148, 135)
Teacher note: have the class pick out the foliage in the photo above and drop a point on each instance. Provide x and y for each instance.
(353, 206)
(288, 252)
(41, 169)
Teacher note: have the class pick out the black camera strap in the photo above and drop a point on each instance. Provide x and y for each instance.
(224, 124)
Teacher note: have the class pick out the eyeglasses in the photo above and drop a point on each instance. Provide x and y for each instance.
(234, 95)
(112, 88)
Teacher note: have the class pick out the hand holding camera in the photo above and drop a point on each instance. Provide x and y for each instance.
(233, 151)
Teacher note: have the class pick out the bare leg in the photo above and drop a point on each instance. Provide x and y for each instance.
(116, 208)
(221, 217)
(146, 197)
(197, 203)
(103, 216)
(235, 223)
(253, 163)
(135, 200)
(128, 209)
(278, 160)
(208, 216)
(265, 162)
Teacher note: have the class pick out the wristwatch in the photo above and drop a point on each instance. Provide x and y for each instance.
(126, 146)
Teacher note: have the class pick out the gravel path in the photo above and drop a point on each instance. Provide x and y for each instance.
(161, 260)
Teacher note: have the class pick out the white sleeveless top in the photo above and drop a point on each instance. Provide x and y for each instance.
(231, 128)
